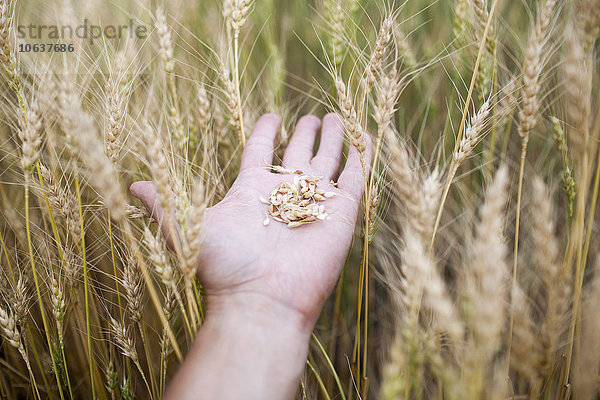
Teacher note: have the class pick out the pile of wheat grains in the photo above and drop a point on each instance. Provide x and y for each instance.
(297, 203)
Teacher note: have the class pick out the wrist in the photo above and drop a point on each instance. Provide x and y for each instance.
(248, 347)
(261, 311)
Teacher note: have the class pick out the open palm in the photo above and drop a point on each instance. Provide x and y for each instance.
(242, 259)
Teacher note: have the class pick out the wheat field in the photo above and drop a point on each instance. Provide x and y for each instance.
(474, 271)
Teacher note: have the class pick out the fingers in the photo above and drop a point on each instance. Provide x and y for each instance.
(300, 149)
(258, 152)
(327, 160)
(146, 192)
(352, 177)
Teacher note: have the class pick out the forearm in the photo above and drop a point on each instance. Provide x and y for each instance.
(244, 352)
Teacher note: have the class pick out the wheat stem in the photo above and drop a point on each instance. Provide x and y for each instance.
(86, 291)
(37, 284)
(463, 121)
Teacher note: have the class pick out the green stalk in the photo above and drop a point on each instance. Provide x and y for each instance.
(236, 78)
(330, 364)
(64, 359)
(114, 264)
(319, 380)
(146, 346)
(151, 289)
(86, 291)
(33, 347)
(453, 167)
(37, 285)
(516, 249)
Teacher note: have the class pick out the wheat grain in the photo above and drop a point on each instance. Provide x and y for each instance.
(532, 70)
(158, 256)
(72, 268)
(233, 101)
(159, 168)
(112, 378)
(334, 16)
(472, 135)
(135, 212)
(351, 122)
(404, 46)
(430, 193)
(487, 292)
(20, 305)
(193, 233)
(576, 86)
(123, 340)
(416, 199)
(204, 114)
(62, 202)
(481, 20)
(588, 21)
(165, 43)
(375, 62)
(115, 114)
(30, 135)
(69, 103)
(101, 168)
(10, 331)
(297, 203)
(7, 55)
(57, 299)
(387, 96)
(460, 19)
(133, 285)
(240, 11)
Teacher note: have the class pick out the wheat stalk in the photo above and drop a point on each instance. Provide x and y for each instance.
(236, 13)
(463, 122)
(528, 115)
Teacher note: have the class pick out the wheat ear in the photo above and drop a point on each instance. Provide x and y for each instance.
(12, 335)
(375, 62)
(547, 257)
(484, 287)
(585, 378)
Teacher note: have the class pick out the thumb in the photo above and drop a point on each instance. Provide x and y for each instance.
(146, 192)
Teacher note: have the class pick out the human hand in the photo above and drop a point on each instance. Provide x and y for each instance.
(275, 268)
